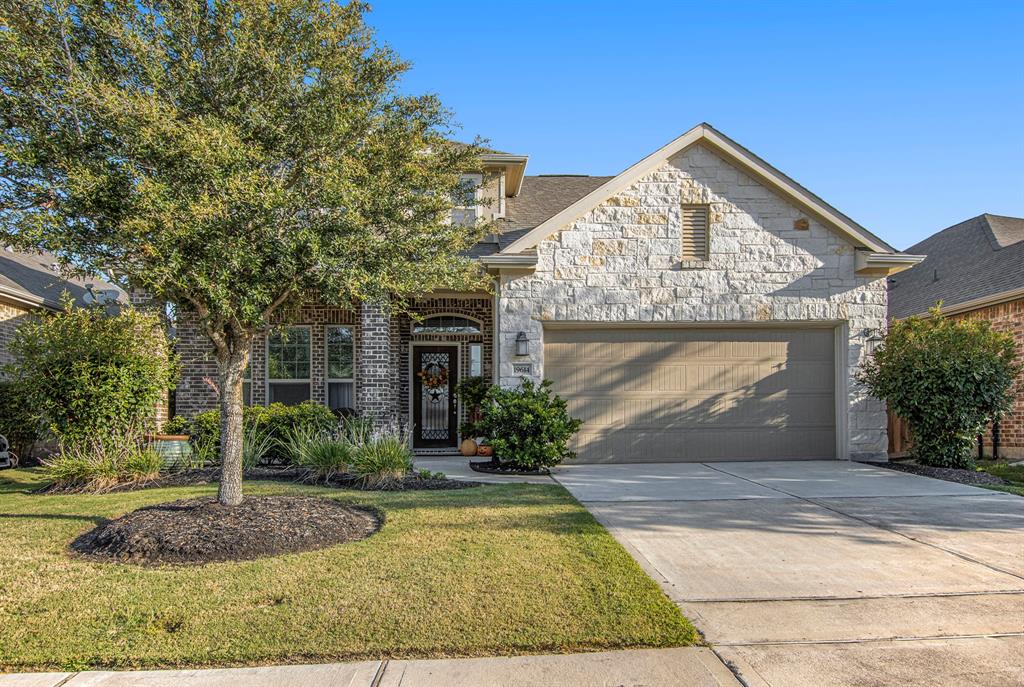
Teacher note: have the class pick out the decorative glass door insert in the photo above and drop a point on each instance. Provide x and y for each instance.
(435, 374)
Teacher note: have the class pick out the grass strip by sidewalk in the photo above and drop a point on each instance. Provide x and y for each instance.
(493, 570)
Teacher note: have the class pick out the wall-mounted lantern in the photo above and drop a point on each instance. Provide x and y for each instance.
(522, 344)
(872, 342)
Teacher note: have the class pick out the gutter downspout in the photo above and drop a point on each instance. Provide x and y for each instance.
(496, 335)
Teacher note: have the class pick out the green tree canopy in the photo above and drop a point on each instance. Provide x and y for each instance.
(231, 156)
(947, 378)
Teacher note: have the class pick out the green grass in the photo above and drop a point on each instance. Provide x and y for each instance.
(487, 571)
(1014, 474)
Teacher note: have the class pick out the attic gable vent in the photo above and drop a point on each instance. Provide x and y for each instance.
(695, 232)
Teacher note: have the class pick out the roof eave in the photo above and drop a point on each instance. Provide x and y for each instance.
(515, 169)
(525, 261)
(874, 264)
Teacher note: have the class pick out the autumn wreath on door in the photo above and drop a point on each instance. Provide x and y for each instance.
(435, 380)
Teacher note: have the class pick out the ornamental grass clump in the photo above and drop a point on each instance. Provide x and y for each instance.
(383, 459)
(323, 454)
(103, 462)
(948, 379)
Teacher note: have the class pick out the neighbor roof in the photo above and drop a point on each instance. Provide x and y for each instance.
(980, 258)
(34, 279)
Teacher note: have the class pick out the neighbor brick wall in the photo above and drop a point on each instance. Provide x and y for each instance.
(11, 316)
(1007, 317)
(621, 263)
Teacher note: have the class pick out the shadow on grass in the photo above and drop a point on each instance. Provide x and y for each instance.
(95, 519)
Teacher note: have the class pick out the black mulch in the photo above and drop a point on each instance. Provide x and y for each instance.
(948, 474)
(200, 530)
(411, 482)
(493, 467)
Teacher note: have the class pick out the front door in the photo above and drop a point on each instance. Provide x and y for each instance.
(435, 372)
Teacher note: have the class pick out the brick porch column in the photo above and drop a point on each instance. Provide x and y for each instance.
(375, 391)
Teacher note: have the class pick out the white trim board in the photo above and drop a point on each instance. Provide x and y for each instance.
(704, 133)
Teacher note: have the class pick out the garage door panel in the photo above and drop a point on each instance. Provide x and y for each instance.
(651, 395)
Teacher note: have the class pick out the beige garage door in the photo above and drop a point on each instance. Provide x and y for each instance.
(692, 395)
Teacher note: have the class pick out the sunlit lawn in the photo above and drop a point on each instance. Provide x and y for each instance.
(485, 571)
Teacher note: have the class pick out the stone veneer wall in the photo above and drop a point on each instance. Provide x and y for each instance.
(621, 263)
(1007, 317)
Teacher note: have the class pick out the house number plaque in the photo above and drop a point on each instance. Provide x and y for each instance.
(522, 368)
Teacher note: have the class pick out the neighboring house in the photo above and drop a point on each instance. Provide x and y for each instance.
(31, 283)
(698, 306)
(976, 268)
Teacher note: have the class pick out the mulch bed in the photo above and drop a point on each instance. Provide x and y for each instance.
(200, 530)
(948, 474)
(493, 467)
(289, 474)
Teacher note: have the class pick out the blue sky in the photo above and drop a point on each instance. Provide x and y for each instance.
(909, 117)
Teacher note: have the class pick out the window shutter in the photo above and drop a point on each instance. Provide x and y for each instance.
(695, 232)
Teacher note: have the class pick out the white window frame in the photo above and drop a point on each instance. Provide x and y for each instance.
(475, 320)
(463, 211)
(266, 352)
(469, 359)
(328, 380)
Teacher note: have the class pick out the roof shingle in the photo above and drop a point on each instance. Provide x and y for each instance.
(979, 257)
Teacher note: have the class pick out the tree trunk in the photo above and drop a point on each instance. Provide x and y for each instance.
(230, 369)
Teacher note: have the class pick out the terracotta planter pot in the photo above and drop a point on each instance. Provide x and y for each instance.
(484, 450)
(468, 447)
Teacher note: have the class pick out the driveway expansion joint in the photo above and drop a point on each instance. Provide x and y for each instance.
(870, 640)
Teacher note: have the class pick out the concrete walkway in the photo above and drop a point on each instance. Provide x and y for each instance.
(827, 573)
(693, 667)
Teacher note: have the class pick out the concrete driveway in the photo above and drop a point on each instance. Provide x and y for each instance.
(827, 573)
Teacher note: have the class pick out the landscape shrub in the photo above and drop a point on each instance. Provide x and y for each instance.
(103, 461)
(472, 392)
(256, 446)
(384, 458)
(322, 453)
(275, 422)
(18, 422)
(947, 378)
(528, 426)
(86, 372)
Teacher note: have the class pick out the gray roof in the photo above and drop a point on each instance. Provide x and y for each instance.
(979, 257)
(541, 197)
(35, 278)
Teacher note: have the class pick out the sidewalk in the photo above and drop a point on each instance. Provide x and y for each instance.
(690, 666)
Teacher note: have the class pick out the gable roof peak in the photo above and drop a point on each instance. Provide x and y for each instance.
(735, 153)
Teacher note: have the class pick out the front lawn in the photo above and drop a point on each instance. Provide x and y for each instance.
(1014, 474)
(474, 572)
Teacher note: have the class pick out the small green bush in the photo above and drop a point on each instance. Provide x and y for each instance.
(256, 446)
(87, 373)
(947, 378)
(383, 459)
(323, 454)
(472, 392)
(275, 423)
(529, 427)
(18, 422)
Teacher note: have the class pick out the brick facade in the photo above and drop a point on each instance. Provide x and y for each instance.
(11, 316)
(382, 349)
(1007, 317)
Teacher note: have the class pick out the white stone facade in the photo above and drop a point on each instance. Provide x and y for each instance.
(621, 263)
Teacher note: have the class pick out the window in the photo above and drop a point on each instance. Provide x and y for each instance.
(465, 199)
(476, 362)
(447, 324)
(288, 368)
(695, 232)
(340, 372)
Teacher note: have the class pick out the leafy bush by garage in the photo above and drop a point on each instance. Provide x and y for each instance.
(88, 373)
(948, 379)
(529, 426)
